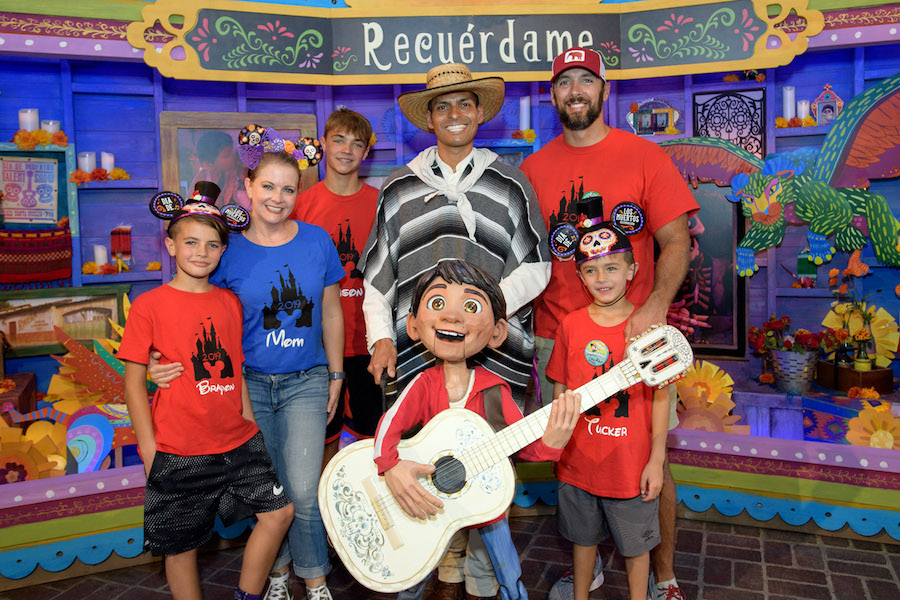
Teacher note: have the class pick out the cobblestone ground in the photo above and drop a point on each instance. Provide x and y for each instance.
(712, 562)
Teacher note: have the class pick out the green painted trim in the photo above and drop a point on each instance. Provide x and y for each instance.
(55, 529)
(781, 486)
(112, 10)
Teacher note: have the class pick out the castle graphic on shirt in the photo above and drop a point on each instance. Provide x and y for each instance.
(211, 359)
(567, 212)
(622, 396)
(346, 248)
(287, 299)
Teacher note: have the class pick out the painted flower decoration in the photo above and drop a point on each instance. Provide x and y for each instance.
(312, 60)
(610, 47)
(276, 30)
(709, 380)
(697, 413)
(340, 52)
(676, 23)
(749, 29)
(640, 55)
(206, 40)
(875, 429)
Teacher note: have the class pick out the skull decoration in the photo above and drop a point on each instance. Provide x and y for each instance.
(597, 243)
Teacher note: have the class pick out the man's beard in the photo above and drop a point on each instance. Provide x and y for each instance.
(579, 123)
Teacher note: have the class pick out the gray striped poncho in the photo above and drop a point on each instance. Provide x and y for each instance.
(411, 236)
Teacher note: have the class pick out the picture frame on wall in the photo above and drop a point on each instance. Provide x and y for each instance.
(713, 293)
(28, 317)
(827, 106)
(202, 146)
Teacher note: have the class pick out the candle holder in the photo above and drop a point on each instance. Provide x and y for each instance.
(29, 120)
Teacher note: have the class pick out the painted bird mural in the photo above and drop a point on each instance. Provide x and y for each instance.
(829, 194)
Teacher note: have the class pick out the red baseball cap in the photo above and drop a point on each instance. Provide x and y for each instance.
(579, 57)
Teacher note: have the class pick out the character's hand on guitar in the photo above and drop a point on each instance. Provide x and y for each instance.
(384, 358)
(403, 481)
(564, 415)
(162, 374)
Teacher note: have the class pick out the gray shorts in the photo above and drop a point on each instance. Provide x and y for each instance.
(587, 520)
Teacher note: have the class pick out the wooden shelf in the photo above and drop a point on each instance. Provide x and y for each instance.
(120, 184)
(804, 292)
(802, 131)
(121, 277)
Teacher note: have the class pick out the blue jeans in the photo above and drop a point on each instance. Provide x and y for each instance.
(497, 541)
(290, 410)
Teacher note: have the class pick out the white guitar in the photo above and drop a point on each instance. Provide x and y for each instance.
(385, 549)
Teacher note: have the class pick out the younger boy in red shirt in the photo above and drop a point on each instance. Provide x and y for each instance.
(202, 452)
(611, 472)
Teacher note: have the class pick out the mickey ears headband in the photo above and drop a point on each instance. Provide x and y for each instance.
(169, 206)
(254, 140)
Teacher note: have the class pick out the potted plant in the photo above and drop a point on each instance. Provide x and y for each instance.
(793, 353)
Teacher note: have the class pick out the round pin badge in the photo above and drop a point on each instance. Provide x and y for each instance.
(164, 205)
(596, 353)
(628, 217)
(237, 216)
(564, 241)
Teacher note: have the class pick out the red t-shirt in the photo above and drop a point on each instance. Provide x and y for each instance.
(611, 443)
(348, 219)
(201, 411)
(637, 181)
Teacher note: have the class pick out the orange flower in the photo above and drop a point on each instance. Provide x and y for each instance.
(842, 289)
(59, 138)
(767, 378)
(834, 273)
(79, 176)
(862, 334)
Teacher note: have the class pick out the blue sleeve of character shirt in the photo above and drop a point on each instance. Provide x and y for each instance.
(280, 289)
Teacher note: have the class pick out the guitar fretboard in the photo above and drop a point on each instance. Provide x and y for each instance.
(511, 439)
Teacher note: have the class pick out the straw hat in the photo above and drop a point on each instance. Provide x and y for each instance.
(452, 77)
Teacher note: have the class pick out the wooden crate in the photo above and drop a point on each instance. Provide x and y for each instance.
(880, 379)
(23, 396)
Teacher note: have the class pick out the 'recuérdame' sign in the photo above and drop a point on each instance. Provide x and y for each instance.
(399, 42)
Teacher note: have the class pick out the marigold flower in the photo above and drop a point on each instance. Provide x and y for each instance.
(781, 123)
(862, 334)
(767, 378)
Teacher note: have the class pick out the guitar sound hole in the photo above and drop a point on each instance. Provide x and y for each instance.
(449, 475)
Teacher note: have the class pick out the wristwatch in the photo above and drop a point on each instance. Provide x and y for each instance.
(334, 375)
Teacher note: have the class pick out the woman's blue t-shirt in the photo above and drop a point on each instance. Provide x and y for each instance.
(280, 289)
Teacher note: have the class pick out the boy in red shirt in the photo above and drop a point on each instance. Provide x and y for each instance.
(344, 206)
(611, 473)
(202, 452)
(459, 311)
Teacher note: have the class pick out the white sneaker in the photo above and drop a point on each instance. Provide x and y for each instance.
(564, 588)
(667, 590)
(320, 592)
(279, 588)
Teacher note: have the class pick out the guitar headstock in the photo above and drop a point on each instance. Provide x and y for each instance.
(661, 355)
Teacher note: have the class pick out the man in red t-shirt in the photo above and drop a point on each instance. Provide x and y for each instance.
(344, 206)
(643, 194)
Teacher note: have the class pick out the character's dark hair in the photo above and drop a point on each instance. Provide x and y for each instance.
(345, 120)
(462, 273)
(207, 220)
(210, 145)
(282, 157)
(477, 101)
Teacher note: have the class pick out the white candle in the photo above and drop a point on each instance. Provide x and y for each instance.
(803, 108)
(524, 113)
(87, 161)
(50, 126)
(100, 256)
(29, 119)
(107, 161)
(788, 102)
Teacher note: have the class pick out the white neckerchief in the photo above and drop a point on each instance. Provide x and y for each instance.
(454, 191)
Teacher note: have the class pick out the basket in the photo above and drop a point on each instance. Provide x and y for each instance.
(794, 372)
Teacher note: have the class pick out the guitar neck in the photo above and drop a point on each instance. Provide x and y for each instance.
(513, 438)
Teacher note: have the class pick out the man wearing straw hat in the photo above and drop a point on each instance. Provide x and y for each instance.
(453, 201)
